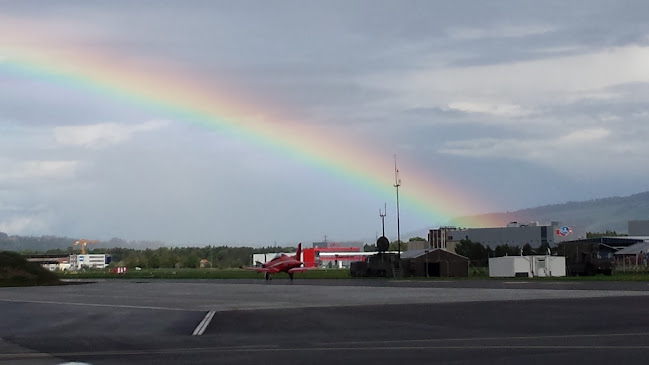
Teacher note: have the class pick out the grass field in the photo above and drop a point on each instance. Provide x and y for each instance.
(475, 273)
(202, 274)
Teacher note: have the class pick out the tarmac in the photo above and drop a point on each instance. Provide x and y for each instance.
(325, 321)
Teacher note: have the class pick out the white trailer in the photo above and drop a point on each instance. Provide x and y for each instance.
(527, 266)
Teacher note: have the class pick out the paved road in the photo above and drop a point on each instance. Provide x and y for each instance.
(144, 322)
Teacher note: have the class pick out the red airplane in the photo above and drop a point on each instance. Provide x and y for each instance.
(282, 263)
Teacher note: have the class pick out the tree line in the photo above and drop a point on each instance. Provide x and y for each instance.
(479, 255)
(220, 257)
(143, 254)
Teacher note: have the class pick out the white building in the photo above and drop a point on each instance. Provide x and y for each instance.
(527, 266)
(51, 262)
(59, 266)
(95, 261)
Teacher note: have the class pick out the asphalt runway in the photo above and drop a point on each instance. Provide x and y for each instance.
(324, 322)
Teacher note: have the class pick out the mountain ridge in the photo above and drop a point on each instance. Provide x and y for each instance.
(595, 215)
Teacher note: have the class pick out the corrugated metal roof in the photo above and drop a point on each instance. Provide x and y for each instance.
(634, 249)
(411, 254)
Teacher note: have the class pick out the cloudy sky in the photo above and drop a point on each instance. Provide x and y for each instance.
(512, 104)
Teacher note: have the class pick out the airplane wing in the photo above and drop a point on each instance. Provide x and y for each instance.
(257, 269)
(300, 269)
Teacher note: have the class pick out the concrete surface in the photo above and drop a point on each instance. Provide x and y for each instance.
(142, 322)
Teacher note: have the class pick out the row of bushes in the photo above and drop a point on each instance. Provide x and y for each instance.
(15, 270)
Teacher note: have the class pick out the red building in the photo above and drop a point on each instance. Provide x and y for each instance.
(334, 254)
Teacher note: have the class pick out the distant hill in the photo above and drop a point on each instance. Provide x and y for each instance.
(49, 243)
(596, 215)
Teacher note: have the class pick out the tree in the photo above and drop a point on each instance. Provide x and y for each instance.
(369, 248)
(416, 238)
(506, 250)
(527, 249)
(474, 251)
(543, 249)
(394, 246)
(607, 233)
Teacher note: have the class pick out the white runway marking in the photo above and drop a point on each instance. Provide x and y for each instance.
(204, 323)
(97, 305)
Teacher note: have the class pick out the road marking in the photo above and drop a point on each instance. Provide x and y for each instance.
(473, 339)
(421, 281)
(204, 323)
(98, 305)
(271, 348)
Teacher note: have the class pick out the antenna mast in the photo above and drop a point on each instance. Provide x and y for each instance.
(397, 184)
(382, 215)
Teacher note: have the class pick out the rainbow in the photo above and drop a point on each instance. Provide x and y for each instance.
(44, 57)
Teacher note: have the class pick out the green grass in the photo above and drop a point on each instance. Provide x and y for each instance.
(617, 276)
(201, 274)
(481, 273)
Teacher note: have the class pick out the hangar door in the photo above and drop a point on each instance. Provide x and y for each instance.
(433, 269)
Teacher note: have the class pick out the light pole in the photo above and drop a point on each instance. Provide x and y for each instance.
(397, 183)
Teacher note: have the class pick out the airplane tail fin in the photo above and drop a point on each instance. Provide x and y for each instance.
(298, 254)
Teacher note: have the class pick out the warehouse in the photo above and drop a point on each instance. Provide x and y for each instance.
(434, 263)
(51, 262)
(634, 257)
(515, 234)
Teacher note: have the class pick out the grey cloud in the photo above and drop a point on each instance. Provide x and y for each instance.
(310, 61)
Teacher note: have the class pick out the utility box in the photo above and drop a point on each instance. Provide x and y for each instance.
(527, 266)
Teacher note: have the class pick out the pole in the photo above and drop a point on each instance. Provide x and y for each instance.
(382, 215)
(397, 183)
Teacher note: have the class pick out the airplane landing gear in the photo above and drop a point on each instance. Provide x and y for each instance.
(267, 276)
(290, 276)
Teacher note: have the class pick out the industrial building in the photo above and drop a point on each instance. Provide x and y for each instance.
(609, 243)
(632, 257)
(333, 256)
(590, 256)
(514, 234)
(434, 263)
(71, 262)
(51, 262)
(442, 238)
(527, 266)
(91, 261)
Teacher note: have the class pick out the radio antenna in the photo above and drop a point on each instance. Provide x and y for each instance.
(382, 215)
(397, 184)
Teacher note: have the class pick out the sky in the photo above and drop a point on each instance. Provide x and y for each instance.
(257, 122)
